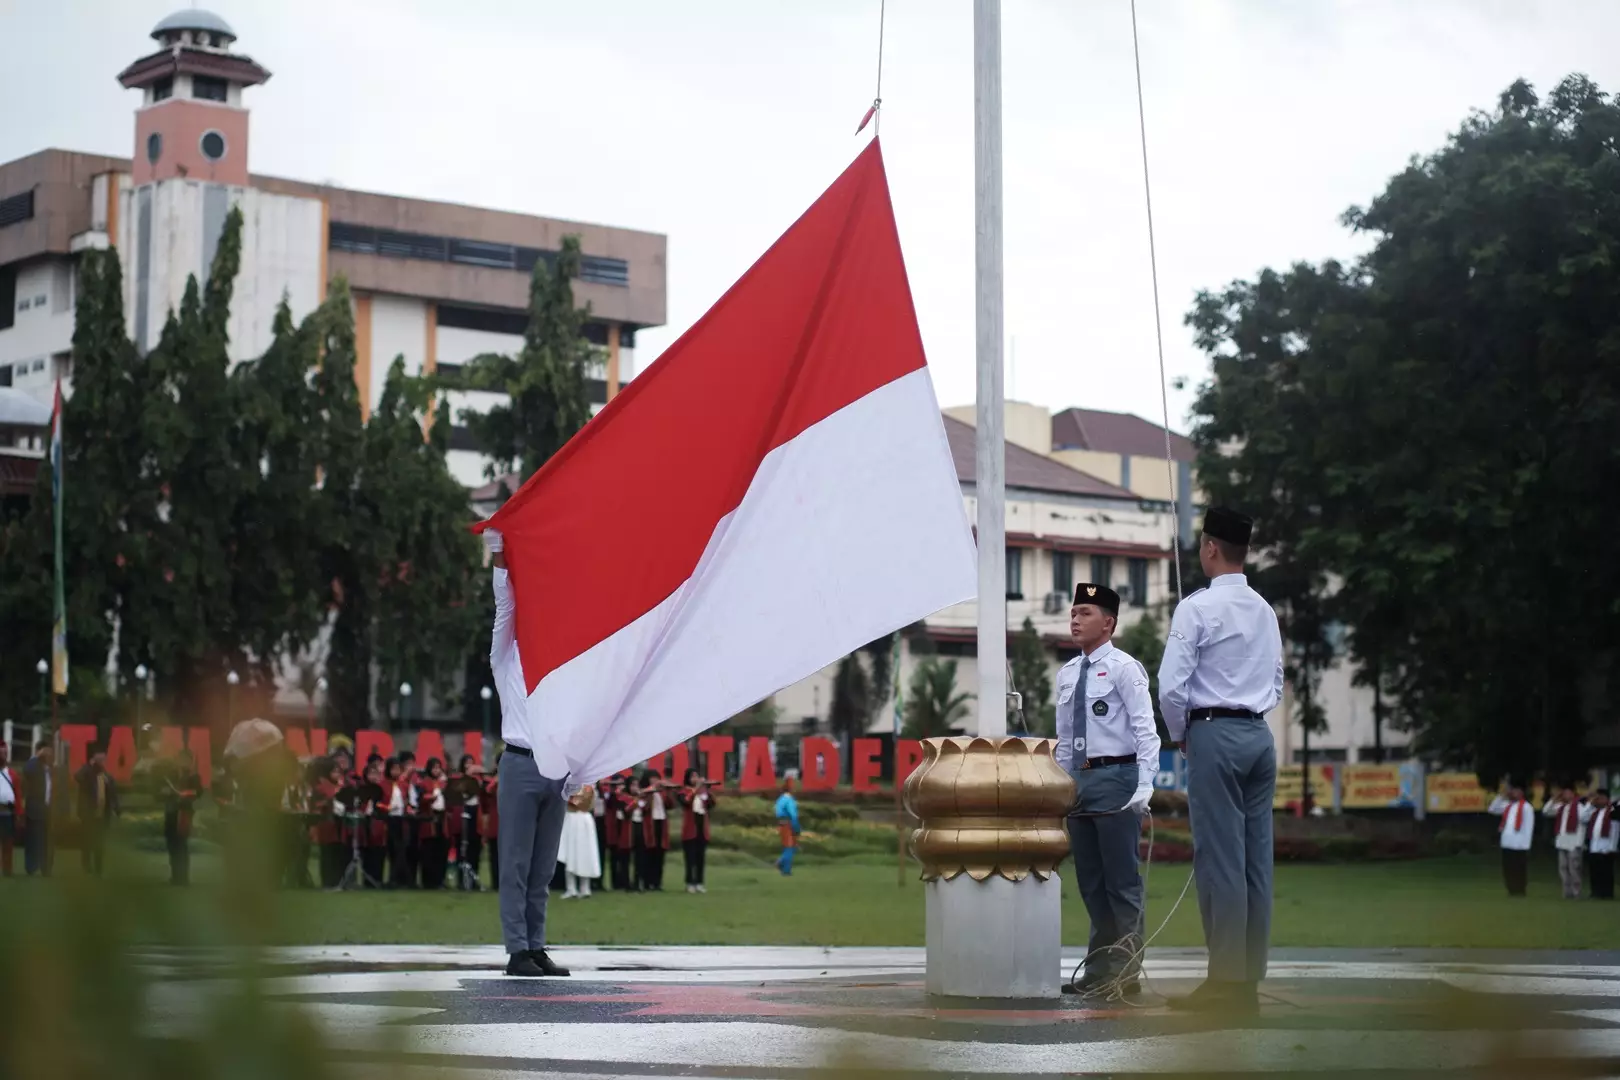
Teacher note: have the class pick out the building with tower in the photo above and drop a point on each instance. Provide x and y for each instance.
(434, 283)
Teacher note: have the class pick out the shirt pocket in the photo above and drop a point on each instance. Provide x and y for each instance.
(1101, 701)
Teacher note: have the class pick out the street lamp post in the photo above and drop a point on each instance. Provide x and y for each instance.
(141, 673)
(320, 688)
(404, 701)
(231, 679)
(43, 668)
(484, 694)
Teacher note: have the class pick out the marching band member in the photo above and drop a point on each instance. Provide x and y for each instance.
(1570, 816)
(461, 821)
(369, 799)
(696, 800)
(621, 834)
(327, 832)
(181, 789)
(1604, 833)
(412, 861)
(1517, 826)
(489, 823)
(397, 803)
(652, 832)
(577, 850)
(431, 831)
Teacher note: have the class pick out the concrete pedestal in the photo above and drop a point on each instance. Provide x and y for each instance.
(995, 938)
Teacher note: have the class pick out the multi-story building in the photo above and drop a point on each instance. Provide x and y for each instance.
(434, 283)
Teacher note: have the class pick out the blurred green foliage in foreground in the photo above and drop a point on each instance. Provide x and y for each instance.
(79, 1002)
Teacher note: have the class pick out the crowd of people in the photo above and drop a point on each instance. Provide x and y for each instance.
(397, 823)
(1585, 835)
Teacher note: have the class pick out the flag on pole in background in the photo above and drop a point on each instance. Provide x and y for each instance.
(770, 495)
(59, 659)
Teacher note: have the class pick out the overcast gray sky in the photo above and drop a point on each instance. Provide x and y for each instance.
(718, 121)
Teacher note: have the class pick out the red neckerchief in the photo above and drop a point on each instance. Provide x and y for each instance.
(1517, 810)
(1569, 819)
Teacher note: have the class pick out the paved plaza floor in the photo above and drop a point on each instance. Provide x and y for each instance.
(788, 1012)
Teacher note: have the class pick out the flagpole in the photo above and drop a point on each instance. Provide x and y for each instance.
(989, 478)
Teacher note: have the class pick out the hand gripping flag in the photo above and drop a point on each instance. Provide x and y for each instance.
(773, 493)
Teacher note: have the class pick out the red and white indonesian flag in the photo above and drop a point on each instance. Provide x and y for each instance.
(773, 493)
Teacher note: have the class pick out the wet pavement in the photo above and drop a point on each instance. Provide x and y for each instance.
(784, 1012)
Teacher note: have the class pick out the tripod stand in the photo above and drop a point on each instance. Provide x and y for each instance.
(466, 872)
(354, 875)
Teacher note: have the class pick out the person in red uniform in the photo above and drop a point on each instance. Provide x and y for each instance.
(489, 823)
(327, 834)
(651, 818)
(465, 846)
(11, 809)
(431, 836)
(621, 833)
(697, 802)
(369, 799)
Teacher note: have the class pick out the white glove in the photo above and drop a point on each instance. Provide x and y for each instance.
(493, 543)
(1139, 801)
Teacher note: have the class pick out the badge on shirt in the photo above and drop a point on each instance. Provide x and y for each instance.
(1079, 744)
(1099, 708)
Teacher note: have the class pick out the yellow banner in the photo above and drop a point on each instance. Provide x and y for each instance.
(1456, 793)
(1291, 786)
(1369, 786)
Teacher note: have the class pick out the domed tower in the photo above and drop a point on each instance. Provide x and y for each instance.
(191, 123)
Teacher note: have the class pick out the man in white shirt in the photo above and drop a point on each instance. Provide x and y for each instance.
(1570, 816)
(532, 806)
(1517, 827)
(1603, 839)
(1222, 672)
(1106, 741)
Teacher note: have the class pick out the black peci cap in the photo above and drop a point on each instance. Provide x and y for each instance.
(1228, 525)
(1101, 595)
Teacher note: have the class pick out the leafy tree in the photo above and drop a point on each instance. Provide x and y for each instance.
(547, 381)
(933, 706)
(1426, 435)
(1032, 677)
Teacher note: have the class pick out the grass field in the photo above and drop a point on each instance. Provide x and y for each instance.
(1451, 902)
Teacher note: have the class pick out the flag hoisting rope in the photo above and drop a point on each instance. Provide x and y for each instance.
(873, 113)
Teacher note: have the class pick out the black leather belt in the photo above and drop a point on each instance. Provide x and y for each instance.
(1220, 712)
(1099, 762)
(520, 751)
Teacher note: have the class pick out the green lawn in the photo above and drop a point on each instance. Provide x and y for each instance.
(1451, 902)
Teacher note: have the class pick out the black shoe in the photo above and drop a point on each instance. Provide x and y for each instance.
(1231, 999)
(1086, 984)
(547, 966)
(1103, 985)
(522, 964)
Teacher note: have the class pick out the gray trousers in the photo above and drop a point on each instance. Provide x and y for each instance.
(1231, 781)
(1569, 872)
(1105, 843)
(531, 809)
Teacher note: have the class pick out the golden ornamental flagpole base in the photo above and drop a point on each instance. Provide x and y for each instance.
(990, 840)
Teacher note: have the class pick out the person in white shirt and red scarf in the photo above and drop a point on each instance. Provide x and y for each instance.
(1516, 823)
(1570, 817)
(1602, 839)
(11, 809)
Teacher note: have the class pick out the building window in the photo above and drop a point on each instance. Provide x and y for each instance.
(8, 297)
(1102, 570)
(1015, 574)
(154, 148)
(1062, 573)
(364, 240)
(1125, 471)
(5, 374)
(16, 208)
(212, 145)
(208, 88)
(163, 89)
(956, 648)
(1138, 571)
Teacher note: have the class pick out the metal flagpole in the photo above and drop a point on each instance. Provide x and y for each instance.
(989, 479)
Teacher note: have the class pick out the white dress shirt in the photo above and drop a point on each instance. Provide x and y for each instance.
(8, 791)
(1517, 822)
(1126, 728)
(1225, 650)
(1605, 831)
(507, 667)
(1565, 815)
